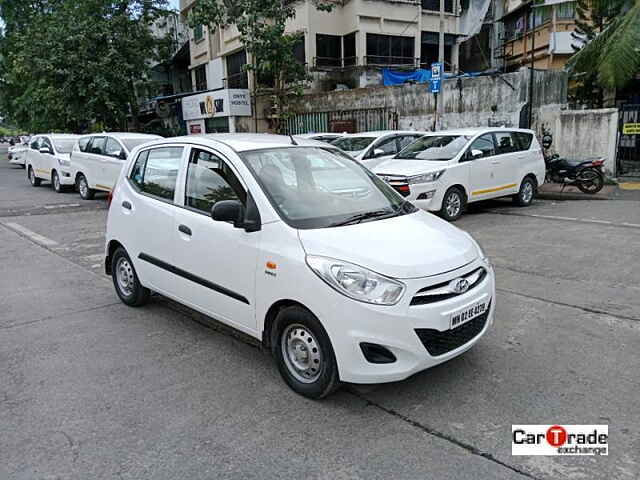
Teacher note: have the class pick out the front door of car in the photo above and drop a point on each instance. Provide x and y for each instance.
(33, 154)
(505, 163)
(113, 160)
(47, 161)
(218, 259)
(147, 209)
(479, 157)
(96, 160)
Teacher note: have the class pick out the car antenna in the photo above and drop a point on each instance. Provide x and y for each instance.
(293, 140)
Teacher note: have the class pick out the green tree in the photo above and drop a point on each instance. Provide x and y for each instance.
(262, 25)
(610, 48)
(70, 62)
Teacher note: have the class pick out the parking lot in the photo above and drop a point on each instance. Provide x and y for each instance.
(90, 388)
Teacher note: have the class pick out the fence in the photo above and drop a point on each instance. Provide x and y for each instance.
(361, 120)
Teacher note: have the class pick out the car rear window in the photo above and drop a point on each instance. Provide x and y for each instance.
(523, 140)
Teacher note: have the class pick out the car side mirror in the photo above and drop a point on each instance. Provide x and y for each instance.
(476, 153)
(234, 211)
(45, 150)
(378, 152)
(121, 154)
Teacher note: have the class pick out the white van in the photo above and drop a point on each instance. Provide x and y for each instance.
(372, 147)
(97, 159)
(300, 246)
(444, 171)
(48, 159)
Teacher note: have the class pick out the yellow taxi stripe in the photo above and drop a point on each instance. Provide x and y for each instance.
(43, 170)
(103, 187)
(491, 190)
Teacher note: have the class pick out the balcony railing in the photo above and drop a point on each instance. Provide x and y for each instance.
(391, 61)
(237, 80)
(334, 62)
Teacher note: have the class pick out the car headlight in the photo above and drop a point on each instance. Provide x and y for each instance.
(357, 282)
(425, 178)
(64, 162)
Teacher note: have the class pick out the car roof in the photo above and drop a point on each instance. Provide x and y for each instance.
(57, 135)
(381, 133)
(318, 134)
(478, 130)
(242, 142)
(123, 135)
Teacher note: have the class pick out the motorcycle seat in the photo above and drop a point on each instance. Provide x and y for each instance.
(572, 162)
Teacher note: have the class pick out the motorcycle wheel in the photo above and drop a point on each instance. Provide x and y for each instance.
(590, 181)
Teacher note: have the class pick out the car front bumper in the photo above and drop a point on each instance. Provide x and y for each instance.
(397, 328)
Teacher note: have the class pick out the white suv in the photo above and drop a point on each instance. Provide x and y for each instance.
(48, 159)
(97, 159)
(444, 171)
(300, 246)
(372, 147)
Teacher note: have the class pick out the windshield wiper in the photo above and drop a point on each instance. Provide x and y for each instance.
(365, 216)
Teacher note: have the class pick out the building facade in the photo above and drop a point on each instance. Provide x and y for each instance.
(343, 49)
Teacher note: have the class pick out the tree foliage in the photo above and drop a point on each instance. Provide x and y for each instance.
(66, 63)
(608, 49)
(262, 27)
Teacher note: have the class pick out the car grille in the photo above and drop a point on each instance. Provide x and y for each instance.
(444, 290)
(438, 343)
(398, 183)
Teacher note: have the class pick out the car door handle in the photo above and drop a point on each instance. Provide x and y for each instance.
(495, 163)
(126, 205)
(184, 229)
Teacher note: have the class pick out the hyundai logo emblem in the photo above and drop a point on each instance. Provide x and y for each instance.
(459, 285)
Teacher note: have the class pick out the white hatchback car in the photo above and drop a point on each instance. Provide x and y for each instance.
(303, 248)
(18, 154)
(444, 171)
(373, 147)
(48, 159)
(97, 159)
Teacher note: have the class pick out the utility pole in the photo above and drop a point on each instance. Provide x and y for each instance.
(440, 97)
(532, 17)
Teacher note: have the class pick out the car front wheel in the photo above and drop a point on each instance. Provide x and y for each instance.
(55, 181)
(35, 181)
(126, 281)
(453, 204)
(304, 353)
(83, 188)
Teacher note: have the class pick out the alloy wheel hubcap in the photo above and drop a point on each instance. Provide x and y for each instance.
(527, 192)
(453, 204)
(31, 175)
(83, 187)
(56, 182)
(301, 353)
(125, 277)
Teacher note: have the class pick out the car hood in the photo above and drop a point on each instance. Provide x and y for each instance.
(63, 156)
(409, 246)
(372, 163)
(408, 168)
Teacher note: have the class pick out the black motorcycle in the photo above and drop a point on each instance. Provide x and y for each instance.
(587, 175)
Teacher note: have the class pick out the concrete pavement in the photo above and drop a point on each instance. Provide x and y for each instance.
(92, 389)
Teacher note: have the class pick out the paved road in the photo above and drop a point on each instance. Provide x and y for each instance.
(92, 389)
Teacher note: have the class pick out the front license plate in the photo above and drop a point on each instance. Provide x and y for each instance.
(466, 315)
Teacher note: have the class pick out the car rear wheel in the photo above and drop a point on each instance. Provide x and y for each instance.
(525, 195)
(304, 353)
(83, 188)
(125, 280)
(35, 181)
(453, 204)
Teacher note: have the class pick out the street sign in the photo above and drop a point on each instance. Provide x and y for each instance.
(631, 129)
(436, 77)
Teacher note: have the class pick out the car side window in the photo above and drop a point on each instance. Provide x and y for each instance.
(210, 180)
(523, 140)
(156, 171)
(35, 143)
(504, 143)
(45, 143)
(485, 144)
(97, 145)
(83, 143)
(113, 148)
(388, 146)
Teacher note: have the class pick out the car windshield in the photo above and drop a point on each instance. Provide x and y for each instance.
(64, 145)
(353, 144)
(132, 143)
(434, 147)
(313, 187)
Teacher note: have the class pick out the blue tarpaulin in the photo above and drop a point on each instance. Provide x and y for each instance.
(390, 77)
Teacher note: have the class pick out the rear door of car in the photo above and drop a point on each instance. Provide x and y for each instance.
(506, 164)
(95, 161)
(79, 162)
(529, 159)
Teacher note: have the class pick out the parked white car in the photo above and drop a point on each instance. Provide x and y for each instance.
(17, 154)
(444, 171)
(48, 159)
(303, 248)
(373, 147)
(97, 159)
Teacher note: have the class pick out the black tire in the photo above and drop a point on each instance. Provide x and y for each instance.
(526, 194)
(55, 182)
(83, 188)
(31, 175)
(125, 280)
(306, 332)
(590, 180)
(453, 204)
